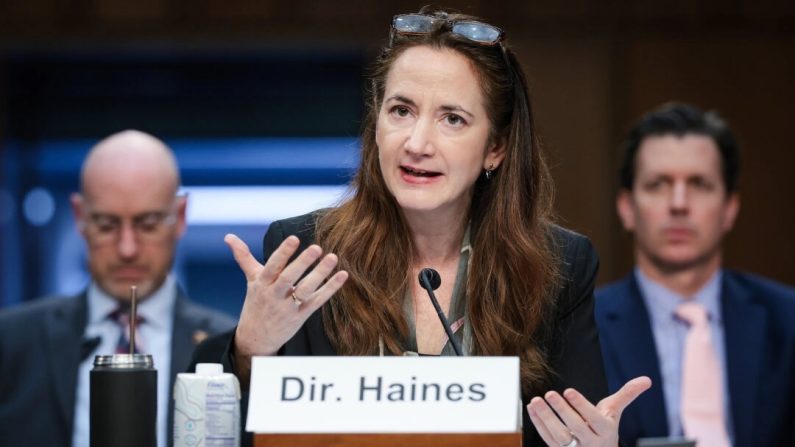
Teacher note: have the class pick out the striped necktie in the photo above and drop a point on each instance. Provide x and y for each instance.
(122, 317)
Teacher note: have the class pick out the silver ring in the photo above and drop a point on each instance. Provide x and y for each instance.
(573, 443)
(298, 301)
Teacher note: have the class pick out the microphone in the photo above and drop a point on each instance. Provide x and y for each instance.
(88, 345)
(430, 281)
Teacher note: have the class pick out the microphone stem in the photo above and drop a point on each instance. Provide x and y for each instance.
(454, 341)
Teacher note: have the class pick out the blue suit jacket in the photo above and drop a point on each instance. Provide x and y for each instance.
(41, 347)
(759, 332)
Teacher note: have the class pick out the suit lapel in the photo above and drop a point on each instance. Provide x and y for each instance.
(744, 324)
(64, 328)
(182, 336)
(631, 333)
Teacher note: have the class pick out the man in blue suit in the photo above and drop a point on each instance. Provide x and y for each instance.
(679, 198)
(131, 218)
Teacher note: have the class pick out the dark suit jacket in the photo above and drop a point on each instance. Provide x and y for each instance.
(572, 345)
(759, 332)
(41, 347)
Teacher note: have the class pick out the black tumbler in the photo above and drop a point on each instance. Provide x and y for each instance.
(123, 401)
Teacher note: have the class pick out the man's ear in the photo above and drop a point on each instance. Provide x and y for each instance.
(76, 201)
(730, 211)
(182, 211)
(625, 208)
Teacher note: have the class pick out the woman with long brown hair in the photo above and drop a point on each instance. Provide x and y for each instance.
(451, 177)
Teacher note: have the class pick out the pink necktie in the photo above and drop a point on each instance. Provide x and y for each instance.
(702, 381)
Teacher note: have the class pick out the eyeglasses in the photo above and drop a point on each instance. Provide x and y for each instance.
(417, 24)
(103, 228)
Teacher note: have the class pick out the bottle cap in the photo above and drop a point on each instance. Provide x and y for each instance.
(209, 369)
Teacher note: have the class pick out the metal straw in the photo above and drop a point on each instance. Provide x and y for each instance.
(133, 316)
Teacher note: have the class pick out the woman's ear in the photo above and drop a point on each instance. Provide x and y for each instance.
(495, 155)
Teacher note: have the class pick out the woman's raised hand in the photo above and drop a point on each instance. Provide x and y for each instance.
(581, 423)
(277, 303)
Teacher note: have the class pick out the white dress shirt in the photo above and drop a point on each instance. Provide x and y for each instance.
(155, 332)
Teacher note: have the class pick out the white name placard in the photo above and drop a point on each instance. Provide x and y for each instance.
(384, 395)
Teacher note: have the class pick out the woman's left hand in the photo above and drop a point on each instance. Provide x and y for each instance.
(581, 423)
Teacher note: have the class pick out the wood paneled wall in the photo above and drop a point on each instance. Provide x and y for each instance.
(594, 68)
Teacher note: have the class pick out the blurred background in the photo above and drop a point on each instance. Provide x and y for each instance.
(262, 101)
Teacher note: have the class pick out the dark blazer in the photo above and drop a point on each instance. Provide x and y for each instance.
(572, 345)
(759, 332)
(41, 347)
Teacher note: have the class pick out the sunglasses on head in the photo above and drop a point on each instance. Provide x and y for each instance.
(417, 24)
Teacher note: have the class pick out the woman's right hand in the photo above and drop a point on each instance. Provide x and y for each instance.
(270, 315)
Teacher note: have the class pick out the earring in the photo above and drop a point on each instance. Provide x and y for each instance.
(490, 172)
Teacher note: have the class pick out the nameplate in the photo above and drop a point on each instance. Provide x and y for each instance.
(384, 395)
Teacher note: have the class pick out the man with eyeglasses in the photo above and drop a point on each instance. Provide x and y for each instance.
(131, 218)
